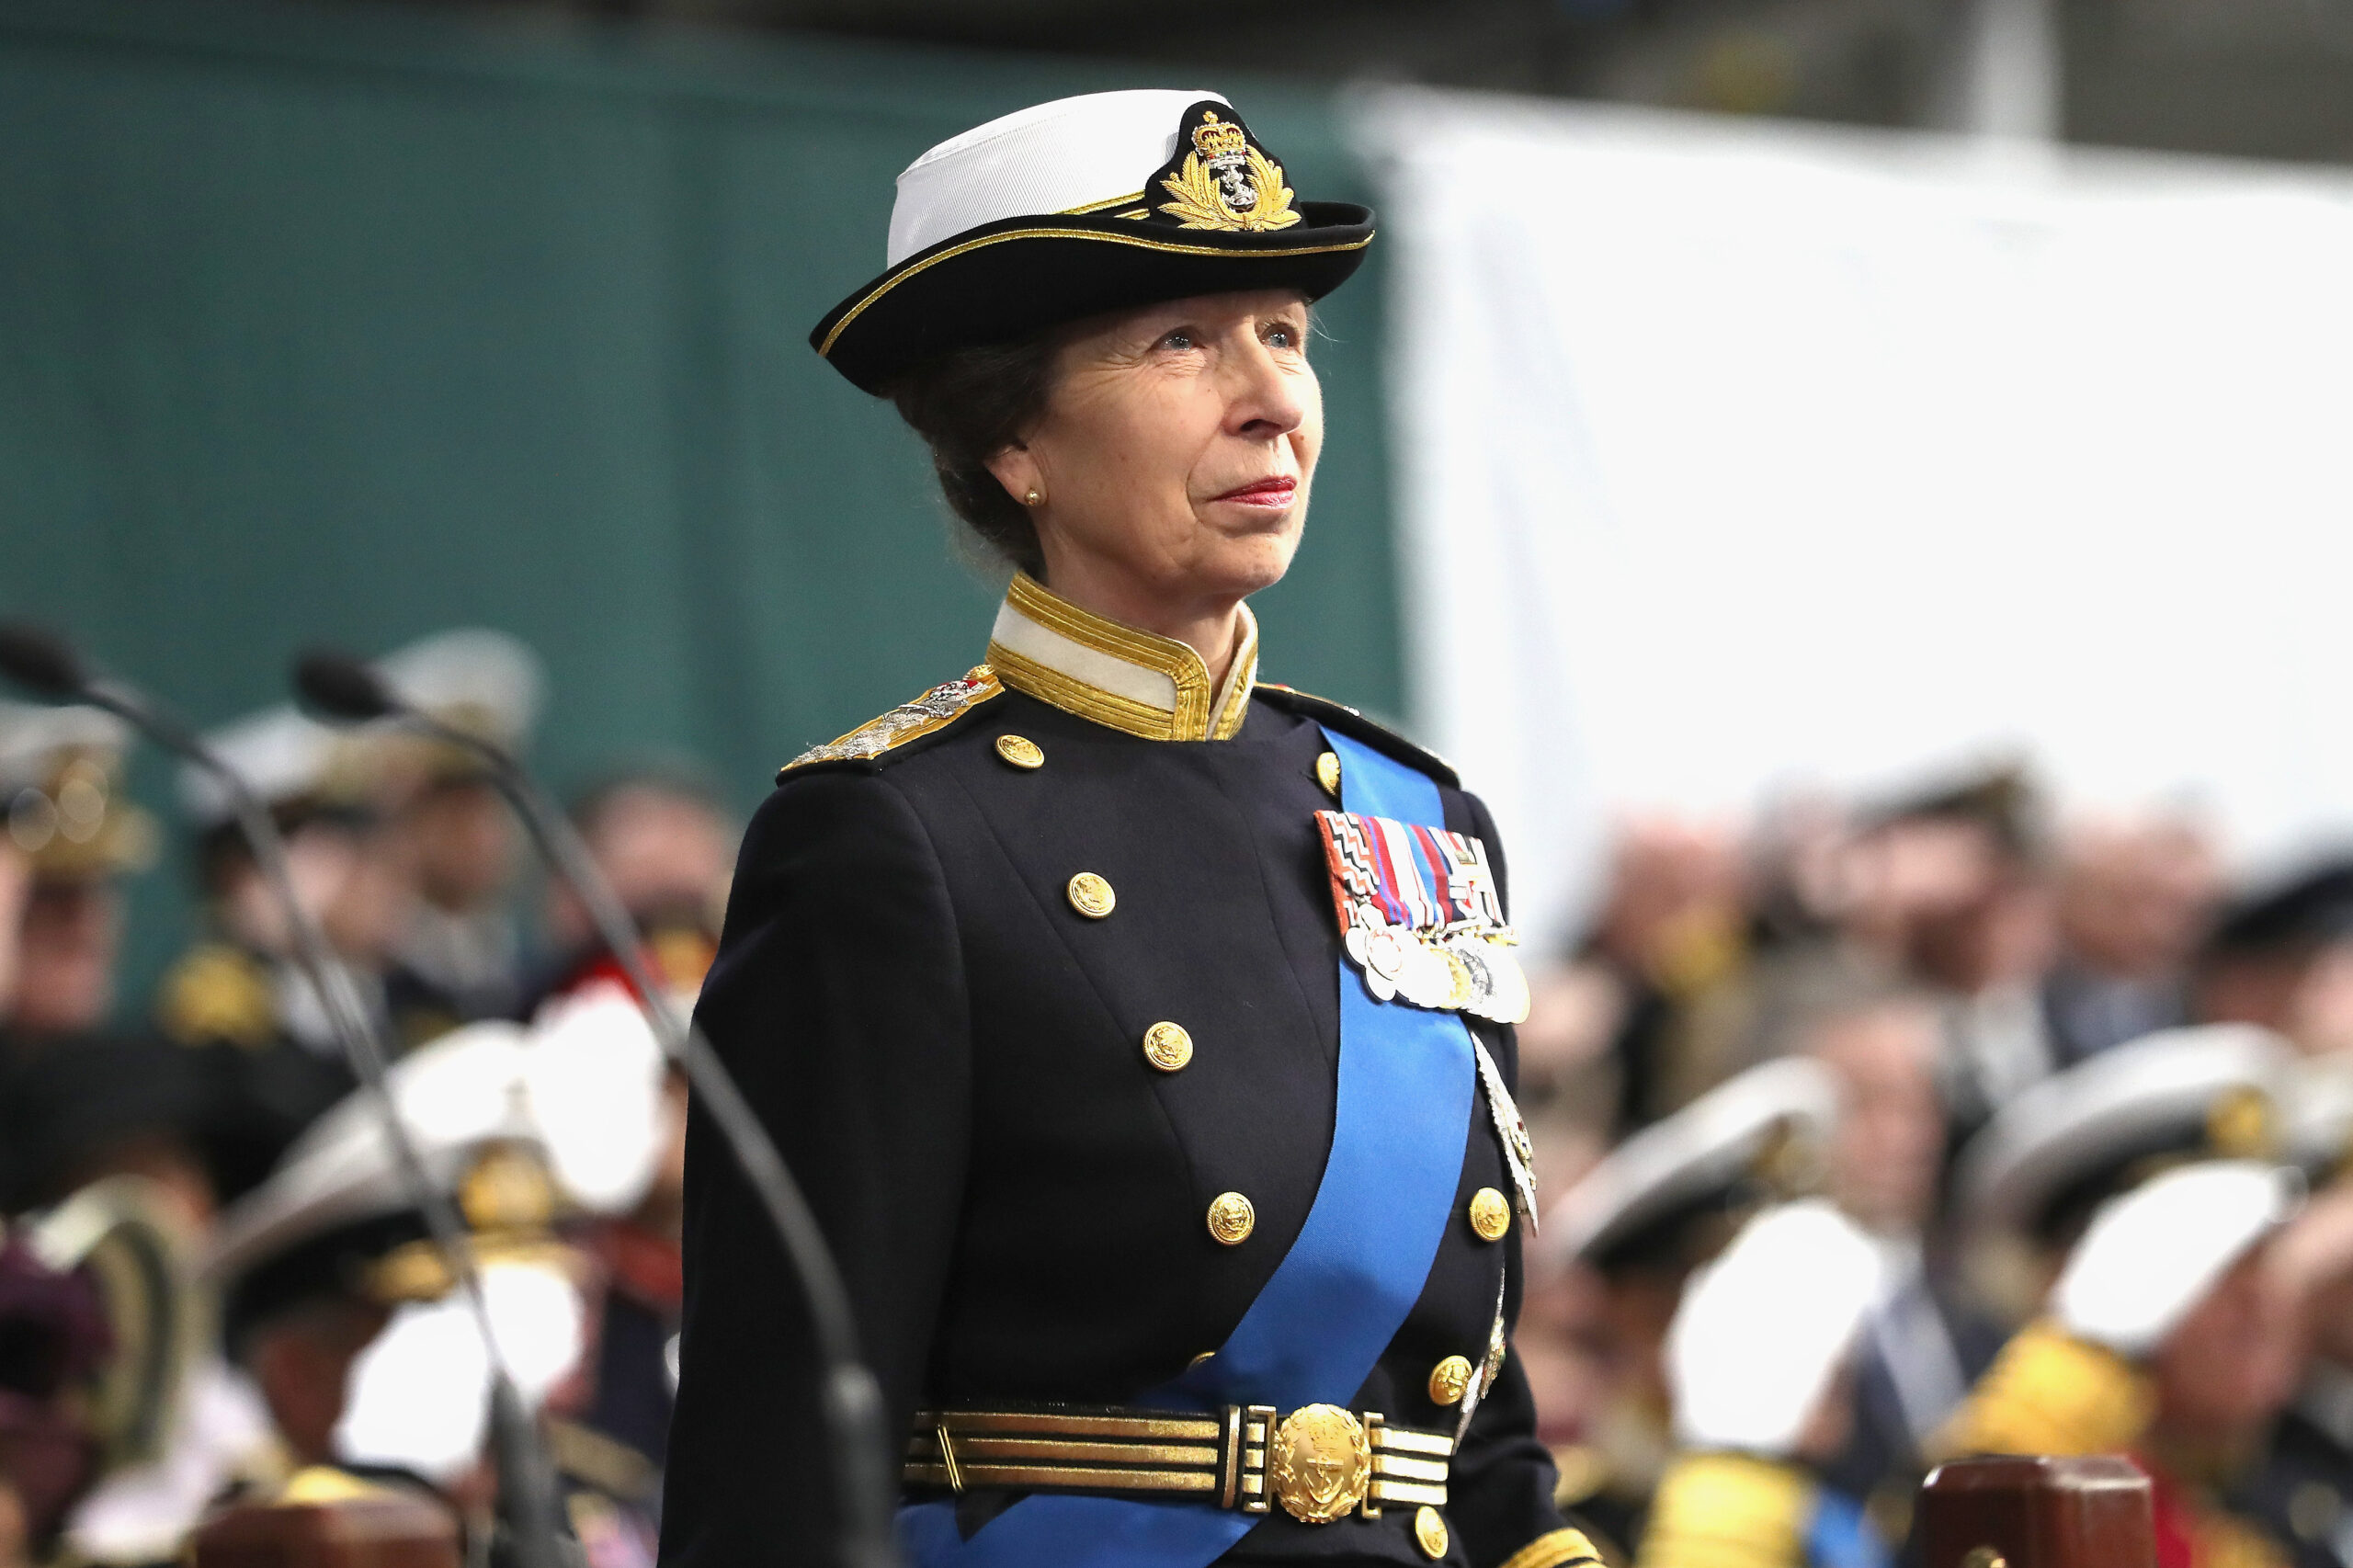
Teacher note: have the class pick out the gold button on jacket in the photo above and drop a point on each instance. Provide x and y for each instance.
(1429, 1532)
(1092, 896)
(1231, 1218)
(1489, 1215)
(1167, 1046)
(1450, 1379)
(1021, 751)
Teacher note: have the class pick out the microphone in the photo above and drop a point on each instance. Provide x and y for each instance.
(343, 687)
(41, 662)
(45, 663)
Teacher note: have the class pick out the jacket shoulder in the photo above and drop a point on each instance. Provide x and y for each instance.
(904, 730)
(1356, 727)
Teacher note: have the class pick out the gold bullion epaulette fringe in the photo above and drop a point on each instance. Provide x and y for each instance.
(934, 711)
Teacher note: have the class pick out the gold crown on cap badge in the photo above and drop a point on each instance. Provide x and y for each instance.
(1215, 138)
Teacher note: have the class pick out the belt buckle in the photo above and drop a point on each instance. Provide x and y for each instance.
(1319, 1463)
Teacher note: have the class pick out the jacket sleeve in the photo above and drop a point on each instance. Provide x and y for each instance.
(1500, 1489)
(838, 1001)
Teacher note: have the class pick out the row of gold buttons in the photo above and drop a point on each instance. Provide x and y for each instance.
(1231, 1218)
(1088, 892)
(1026, 754)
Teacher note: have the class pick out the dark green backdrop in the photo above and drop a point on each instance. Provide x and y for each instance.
(346, 326)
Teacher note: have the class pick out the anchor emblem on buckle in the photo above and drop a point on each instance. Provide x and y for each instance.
(1320, 1463)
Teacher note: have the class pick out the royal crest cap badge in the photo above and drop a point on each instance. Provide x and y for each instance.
(1221, 178)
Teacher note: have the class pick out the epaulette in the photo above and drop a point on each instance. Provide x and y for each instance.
(1356, 727)
(933, 711)
(218, 993)
(1566, 1548)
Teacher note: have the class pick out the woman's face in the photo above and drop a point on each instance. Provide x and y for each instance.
(1173, 457)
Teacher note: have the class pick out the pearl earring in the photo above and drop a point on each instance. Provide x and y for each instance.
(1032, 498)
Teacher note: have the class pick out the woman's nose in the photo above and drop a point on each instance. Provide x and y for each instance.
(1262, 399)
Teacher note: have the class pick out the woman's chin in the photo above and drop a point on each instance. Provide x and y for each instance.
(1244, 563)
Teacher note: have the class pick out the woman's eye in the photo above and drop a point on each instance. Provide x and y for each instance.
(1180, 339)
(1282, 337)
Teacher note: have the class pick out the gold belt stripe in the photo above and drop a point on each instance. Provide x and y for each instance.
(1196, 1429)
(1026, 1477)
(971, 1446)
(1225, 1455)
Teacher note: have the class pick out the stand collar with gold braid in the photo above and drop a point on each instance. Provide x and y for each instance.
(1146, 684)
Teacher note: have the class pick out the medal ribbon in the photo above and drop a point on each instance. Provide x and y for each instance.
(1388, 873)
(1407, 1079)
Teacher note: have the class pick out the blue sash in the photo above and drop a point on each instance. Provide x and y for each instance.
(1315, 1332)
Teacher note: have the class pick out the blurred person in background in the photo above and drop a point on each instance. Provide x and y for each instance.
(347, 1320)
(2281, 955)
(1760, 1363)
(667, 844)
(74, 834)
(2135, 896)
(2166, 1336)
(2302, 1491)
(236, 999)
(458, 954)
(1925, 1340)
(1618, 1248)
(1665, 957)
(2025, 1185)
(240, 982)
(2301, 1488)
(2149, 1181)
(1948, 890)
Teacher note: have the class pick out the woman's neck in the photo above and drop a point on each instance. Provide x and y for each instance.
(1211, 628)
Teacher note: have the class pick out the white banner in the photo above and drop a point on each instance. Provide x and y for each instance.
(1736, 456)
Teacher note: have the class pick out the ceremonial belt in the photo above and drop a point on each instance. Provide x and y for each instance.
(1318, 1461)
(1406, 1092)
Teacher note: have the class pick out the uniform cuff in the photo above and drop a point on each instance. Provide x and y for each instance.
(1553, 1548)
(1720, 1510)
(2049, 1392)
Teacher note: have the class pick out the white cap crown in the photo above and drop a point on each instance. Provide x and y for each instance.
(1050, 158)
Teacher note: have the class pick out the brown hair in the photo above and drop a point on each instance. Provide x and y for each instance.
(970, 404)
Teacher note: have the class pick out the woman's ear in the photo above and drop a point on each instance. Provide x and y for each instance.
(1017, 469)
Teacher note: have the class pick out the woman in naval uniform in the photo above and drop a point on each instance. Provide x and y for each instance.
(1138, 1031)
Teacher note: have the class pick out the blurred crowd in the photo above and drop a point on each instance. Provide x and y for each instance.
(1879, 1133)
(212, 1279)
